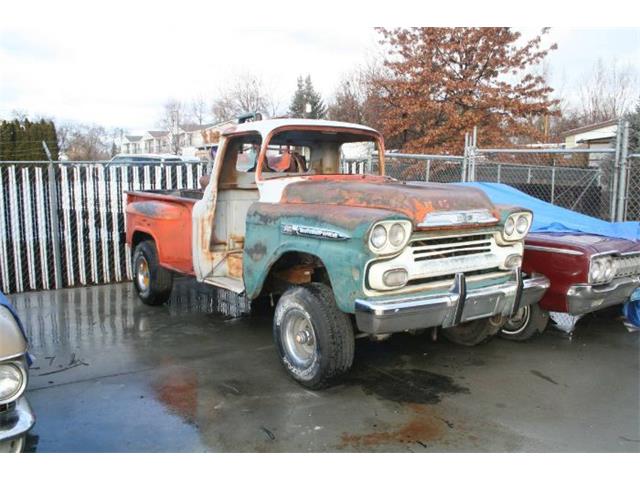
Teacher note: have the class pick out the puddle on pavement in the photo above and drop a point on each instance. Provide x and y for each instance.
(191, 296)
(405, 385)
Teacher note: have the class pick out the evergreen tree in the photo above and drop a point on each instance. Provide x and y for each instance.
(305, 95)
(634, 129)
(313, 98)
(21, 139)
(298, 103)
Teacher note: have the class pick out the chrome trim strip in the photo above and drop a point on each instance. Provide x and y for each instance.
(457, 217)
(313, 232)
(562, 251)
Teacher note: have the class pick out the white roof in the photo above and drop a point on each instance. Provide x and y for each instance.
(265, 127)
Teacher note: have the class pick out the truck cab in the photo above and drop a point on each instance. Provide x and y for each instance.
(342, 252)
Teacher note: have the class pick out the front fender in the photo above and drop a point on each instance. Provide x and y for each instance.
(335, 234)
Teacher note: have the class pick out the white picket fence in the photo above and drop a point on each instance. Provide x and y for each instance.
(62, 224)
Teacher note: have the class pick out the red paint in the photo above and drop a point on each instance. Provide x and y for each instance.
(565, 270)
(167, 219)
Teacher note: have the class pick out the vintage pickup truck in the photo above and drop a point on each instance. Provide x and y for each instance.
(343, 254)
(587, 273)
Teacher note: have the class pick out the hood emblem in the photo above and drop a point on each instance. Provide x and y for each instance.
(315, 232)
(462, 217)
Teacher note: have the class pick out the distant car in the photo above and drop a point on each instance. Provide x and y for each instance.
(146, 158)
(16, 417)
(587, 273)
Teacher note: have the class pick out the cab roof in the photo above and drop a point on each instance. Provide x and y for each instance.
(265, 127)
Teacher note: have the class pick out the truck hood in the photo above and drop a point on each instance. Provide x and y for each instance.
(414, 200)
(583, 242)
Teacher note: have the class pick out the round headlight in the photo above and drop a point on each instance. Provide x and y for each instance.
(522, 224)
(596, 271)
(509, 226)
(396, 235)
(10, 381)
(608, 269)
(379, 237)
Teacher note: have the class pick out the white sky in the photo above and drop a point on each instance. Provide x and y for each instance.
(117, 66)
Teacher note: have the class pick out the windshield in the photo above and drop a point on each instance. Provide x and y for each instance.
(320, 152)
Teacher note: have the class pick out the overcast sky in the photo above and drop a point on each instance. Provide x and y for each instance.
(117, 70)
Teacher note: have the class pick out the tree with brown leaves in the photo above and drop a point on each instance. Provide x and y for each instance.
(442, 82)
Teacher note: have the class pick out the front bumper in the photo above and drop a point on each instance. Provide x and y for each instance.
(450, 308)
(17, 421)
(583, 298)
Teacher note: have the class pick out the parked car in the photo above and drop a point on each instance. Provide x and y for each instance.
(141, 158)
(343, 254)
(587, 273)
(16, 417)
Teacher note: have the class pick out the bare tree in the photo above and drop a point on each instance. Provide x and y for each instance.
(85, 142)
(246, 92)
(607, 92)
(174, 116)
(199, 109)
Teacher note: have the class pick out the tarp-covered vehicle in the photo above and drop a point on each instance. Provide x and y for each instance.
(342, 253)
(592, 264)
(16, 417)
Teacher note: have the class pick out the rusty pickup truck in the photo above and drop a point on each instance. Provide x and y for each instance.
(341, 254)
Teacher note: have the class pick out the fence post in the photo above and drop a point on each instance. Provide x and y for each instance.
(553, 182)
(55, 219)
(622, 183)
(613, 197)
(465, 159)
(428, 172)
(499, 173)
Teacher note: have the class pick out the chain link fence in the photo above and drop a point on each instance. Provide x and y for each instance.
(632, 210)
(580, 180)
(63, 224)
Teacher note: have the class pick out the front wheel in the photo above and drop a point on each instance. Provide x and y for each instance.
(153, 282)
(315, 339)
(527, 322)
(474, 332)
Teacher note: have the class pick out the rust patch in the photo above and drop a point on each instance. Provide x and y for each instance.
(298, 274)
(422, 428)
(414, 201)
(234, 265)
(257, 251)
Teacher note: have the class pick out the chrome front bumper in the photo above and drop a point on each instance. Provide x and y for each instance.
(450, 308)
(583, 298)
(17, 421)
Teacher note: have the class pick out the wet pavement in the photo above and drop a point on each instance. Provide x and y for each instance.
(111, 374)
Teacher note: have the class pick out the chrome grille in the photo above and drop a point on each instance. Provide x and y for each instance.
(447, 247)
(627, 265)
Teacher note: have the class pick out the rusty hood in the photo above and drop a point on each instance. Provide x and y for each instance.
(415, 200)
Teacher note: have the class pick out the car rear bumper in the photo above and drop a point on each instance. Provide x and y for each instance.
(17, 421)
(450, 308)
(583, 298)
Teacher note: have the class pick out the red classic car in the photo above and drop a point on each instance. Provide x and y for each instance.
(587, 273)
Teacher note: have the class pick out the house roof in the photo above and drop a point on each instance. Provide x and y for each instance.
(157, 133)
(194, 127)
(593, 126)
(133, 138)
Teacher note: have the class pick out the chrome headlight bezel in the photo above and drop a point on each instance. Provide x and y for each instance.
(511, 231)
(601, 269)
(19, 367)
(387, 248)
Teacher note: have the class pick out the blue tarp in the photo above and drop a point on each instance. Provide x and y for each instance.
(551, 218)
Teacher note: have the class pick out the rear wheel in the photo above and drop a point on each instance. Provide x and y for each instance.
(314, 338)
(153, 282)
(527, 322)
(474, 332)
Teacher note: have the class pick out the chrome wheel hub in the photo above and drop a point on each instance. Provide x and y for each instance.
(298, 338)
(518, 322)
(143, 278)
